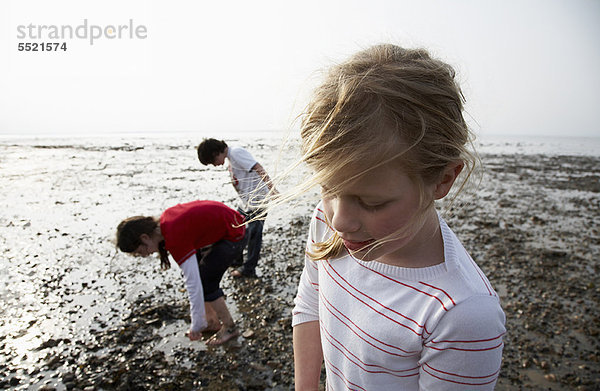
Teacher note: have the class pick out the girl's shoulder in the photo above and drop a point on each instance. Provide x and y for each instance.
(465, 277)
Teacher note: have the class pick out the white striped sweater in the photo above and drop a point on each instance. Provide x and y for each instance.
(391, 328)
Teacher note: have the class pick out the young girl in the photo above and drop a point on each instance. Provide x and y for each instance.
(203, 237)
(389, 298)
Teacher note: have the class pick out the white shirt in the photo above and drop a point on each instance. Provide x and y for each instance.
(193, 285)
(385, 327)
(249, 185)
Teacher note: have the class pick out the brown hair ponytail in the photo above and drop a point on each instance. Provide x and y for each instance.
(164, 256)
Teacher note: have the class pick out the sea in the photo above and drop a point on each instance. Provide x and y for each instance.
(484, 144)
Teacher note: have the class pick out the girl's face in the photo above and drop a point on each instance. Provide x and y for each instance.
(374, 206)
(149, 246)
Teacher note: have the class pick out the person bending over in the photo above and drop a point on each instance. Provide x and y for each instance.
(203, 237)
(252, 184)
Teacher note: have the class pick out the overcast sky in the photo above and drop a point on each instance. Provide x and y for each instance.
(527, 67)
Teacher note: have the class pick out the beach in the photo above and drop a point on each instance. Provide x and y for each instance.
(78, 315)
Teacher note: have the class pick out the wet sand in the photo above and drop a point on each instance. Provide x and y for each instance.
(75, 314)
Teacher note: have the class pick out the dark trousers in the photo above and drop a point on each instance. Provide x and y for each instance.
(252, 240)
(214, 262)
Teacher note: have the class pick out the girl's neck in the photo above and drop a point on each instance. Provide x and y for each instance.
(424, 249)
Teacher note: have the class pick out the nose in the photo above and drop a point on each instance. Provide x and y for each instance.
(344, 217)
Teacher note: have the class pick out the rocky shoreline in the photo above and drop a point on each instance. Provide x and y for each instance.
(123, 357)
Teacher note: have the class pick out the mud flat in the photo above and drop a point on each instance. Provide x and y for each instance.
(74, 314)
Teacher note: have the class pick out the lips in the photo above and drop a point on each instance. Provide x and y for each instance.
(356, 246)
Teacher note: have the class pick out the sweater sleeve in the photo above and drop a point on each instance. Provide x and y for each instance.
(193, 284)
(464, 351)
(306, 307)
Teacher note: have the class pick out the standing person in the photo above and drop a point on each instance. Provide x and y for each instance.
(252, 184)
(203, 237)
(389, 298)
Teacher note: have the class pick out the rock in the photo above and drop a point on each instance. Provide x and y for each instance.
(258, 367)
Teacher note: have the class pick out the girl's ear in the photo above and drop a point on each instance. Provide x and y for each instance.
(145, 238)
(447, 179)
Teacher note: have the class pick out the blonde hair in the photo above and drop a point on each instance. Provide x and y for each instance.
(385, 104)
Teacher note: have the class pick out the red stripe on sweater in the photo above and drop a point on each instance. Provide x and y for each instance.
(323, 221)
(466, 350)
(463, 376)
(438, 289)
(405, 285)
(372, 299)
(472, 341)
(457, 382)
(407, 353)
(382, 370)
(335, 370)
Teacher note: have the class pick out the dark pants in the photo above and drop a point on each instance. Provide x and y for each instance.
(214, 262)
(253, 240)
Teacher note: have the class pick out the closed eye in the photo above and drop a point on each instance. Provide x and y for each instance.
(372, 206)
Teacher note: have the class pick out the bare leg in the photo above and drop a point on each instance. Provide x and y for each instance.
(212, 318)
(228, 330)
(220, 308)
